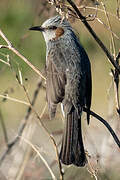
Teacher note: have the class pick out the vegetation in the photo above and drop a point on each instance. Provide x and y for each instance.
(34, 154)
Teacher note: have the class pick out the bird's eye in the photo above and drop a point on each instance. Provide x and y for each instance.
(52, 27)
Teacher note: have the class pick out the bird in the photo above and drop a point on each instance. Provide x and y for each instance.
(68, 82)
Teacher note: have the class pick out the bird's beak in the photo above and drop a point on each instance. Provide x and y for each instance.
(37, 28)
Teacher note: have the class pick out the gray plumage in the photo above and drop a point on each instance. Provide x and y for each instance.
(68, 82)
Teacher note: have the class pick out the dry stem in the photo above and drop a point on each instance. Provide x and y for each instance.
(10, 47)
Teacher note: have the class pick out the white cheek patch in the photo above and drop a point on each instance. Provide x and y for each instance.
(49, 35)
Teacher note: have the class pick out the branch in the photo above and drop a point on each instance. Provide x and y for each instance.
(10, 47)
(41, 157)
(103, 47)
(59, 163)
(110, 27)
(42, 124)
(4, 128)
(22, 127)
(47, 131)
(106, 125)
(31, 108)
(5, 97)
(10, 145)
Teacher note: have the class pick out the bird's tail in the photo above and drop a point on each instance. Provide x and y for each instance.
(72, 149)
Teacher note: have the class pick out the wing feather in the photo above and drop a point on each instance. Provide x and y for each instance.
(55, 85)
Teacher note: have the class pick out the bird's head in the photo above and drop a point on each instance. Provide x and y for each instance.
(53, 28)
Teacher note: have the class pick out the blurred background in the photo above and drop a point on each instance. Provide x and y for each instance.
(16, 17)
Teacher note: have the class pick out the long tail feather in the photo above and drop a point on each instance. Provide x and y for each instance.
(72, 149)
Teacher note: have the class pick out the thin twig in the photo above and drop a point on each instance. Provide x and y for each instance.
(94, 8)
(14, 99)
(106, 125)
(90, 169)
(89, 7)
(110, 27)
(10, 47)
(42, 124)
(41, 157)
(85, 110)
(59, 163)
(4, 128)
(22, 126)
(5, 38)
(4, 62)
(107, 27)
(83, 19)
(114, 72)
(47, 131)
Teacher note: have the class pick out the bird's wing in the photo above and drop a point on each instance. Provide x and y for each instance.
(55, 83)
(86, 70)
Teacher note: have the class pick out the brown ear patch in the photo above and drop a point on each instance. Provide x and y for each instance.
(59, 32)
